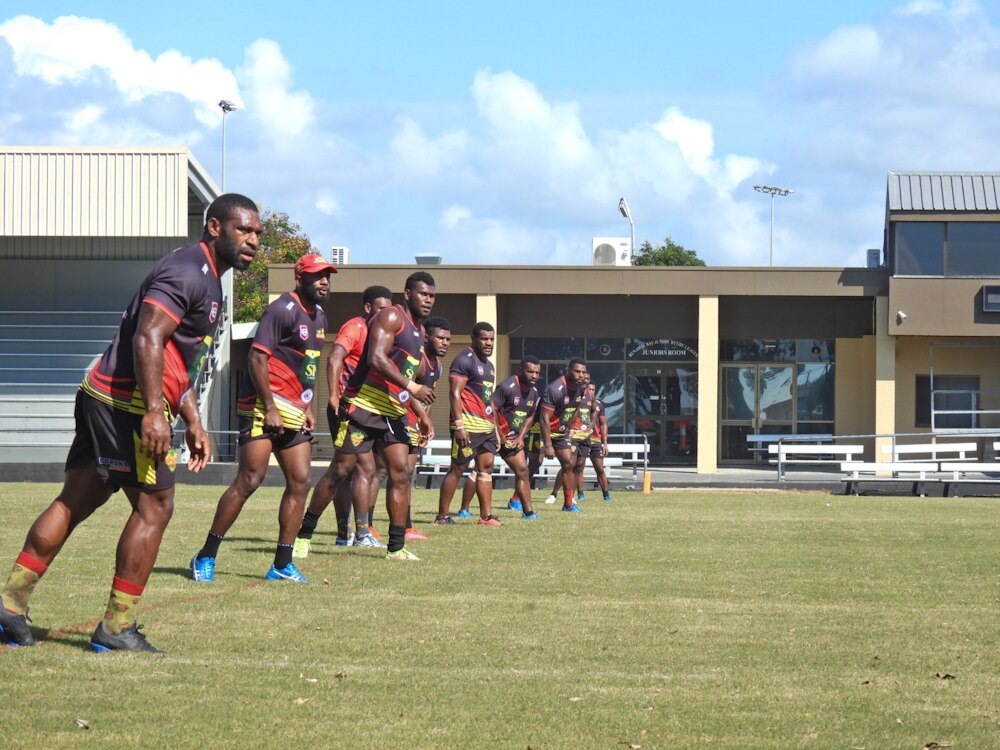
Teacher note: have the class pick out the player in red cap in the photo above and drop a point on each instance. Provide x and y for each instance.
(276, 415)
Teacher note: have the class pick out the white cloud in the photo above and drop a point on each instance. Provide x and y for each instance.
(327, 204)
(72, 50)
(419, 156)
(267, 78)
(452, 216)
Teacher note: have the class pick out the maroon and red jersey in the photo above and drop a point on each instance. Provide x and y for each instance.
(292, 337)
(513, 403)
(351, 337)
(368, 390)
(433, 370)
(480, 377)
(568, 411)
(595, 421)
(185, 285)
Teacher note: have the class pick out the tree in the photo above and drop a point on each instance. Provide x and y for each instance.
(281, 242)
(668, 253)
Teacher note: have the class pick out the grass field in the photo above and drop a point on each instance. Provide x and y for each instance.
(681, 619)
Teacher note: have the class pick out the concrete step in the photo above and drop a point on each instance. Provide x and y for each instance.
(43, 390)
(10, 425)
(93, 347)
(41, 376)
(82, 329)
(60, 317)
(36, 455)
(40, 361)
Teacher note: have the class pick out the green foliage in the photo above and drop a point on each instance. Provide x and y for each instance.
(282, 242)
(681, 619)
(667, 253)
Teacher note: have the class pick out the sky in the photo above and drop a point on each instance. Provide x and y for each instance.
(493, 133)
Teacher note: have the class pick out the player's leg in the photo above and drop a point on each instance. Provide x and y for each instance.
(398, 495)
(567, 468)
(468, 492)
(411, 533)
(597, 461)
(380, 478)
(83, 492)
(365, 474)
(580, 465)
(254, 457)
(138, 547)
(484, 487)
(518, 464)
(460, 458)
(296, 464)
(324, 493)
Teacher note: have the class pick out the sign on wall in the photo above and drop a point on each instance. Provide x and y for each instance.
(661, 350)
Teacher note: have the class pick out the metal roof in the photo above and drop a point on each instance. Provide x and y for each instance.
(943, 191)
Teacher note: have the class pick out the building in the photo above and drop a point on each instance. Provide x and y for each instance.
(340, 256)
(79, 230)
(697, 359)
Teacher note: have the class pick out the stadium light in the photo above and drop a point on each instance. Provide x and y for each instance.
(227, 107)
(772, 191)
(627, 213)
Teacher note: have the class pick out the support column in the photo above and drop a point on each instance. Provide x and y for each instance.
(708, 384)
(885, 378)
(486, 312)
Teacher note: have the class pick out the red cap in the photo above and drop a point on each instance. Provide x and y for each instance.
(314, 263)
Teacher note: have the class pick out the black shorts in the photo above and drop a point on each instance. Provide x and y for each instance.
(584, 448)
(252, 428)
(333, 420)
(564, 442)
(479, 442)
(509, 449)
(361, 431)
(534, 444)
(110, 437)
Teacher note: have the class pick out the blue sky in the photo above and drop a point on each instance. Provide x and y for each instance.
(494, 133)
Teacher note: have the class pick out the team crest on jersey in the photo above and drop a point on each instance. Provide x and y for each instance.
(307, 395)
(304, 332)
(357, 438)
(213, 313)
(517, 400)
(489, 410)
(171, 460)
(403, 397)
(565, 399)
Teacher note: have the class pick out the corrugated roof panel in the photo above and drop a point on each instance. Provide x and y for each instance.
(96, 193)
(943, 191)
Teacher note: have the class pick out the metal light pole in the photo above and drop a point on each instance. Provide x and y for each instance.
(772, 191)
(624, 209)
(226, 107)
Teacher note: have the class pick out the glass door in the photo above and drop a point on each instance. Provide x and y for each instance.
(663, 406)
(756, 399)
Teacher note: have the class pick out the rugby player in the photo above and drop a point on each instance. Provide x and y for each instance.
(514, 403)
(340, 366)
(373, 410)
(564, 424)
(124, 410)
(276, 415)
(597, 444)
(437, 339)
(474, 431)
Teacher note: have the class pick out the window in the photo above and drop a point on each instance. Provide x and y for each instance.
(954, 248)
(951, 393)
(919, 248)
(973, 249)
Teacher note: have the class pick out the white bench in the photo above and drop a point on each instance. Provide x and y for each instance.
(797, 453)
(923, 452)
(888, 471)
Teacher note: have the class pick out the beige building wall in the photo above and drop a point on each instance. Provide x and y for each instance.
(855, 389)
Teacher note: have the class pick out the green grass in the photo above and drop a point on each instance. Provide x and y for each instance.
(681, 619)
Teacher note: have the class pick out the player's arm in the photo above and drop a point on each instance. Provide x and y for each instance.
(154, 329)
(423, 420)
(198, 443)
(456, 384)
(384, 328)
(334, 369)
(261, 377)
(545, 426)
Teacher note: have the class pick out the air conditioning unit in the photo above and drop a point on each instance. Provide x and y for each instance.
(612, 251)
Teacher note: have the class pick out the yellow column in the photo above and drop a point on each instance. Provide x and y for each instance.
(486, 312)
(708, 384)
(885, 378)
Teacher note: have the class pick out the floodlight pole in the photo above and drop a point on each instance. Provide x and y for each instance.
(772, 191)
(226, 107)
(627, 213)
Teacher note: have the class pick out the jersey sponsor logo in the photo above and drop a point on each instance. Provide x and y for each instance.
(416, 333)
(303, 332)
(214, 312)
(307, 395)
(565, 399)
(517, 400)
(403, 397)
(479, 369)
(204, 269)
(320, 333)
(489, 410)
(114, 464)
